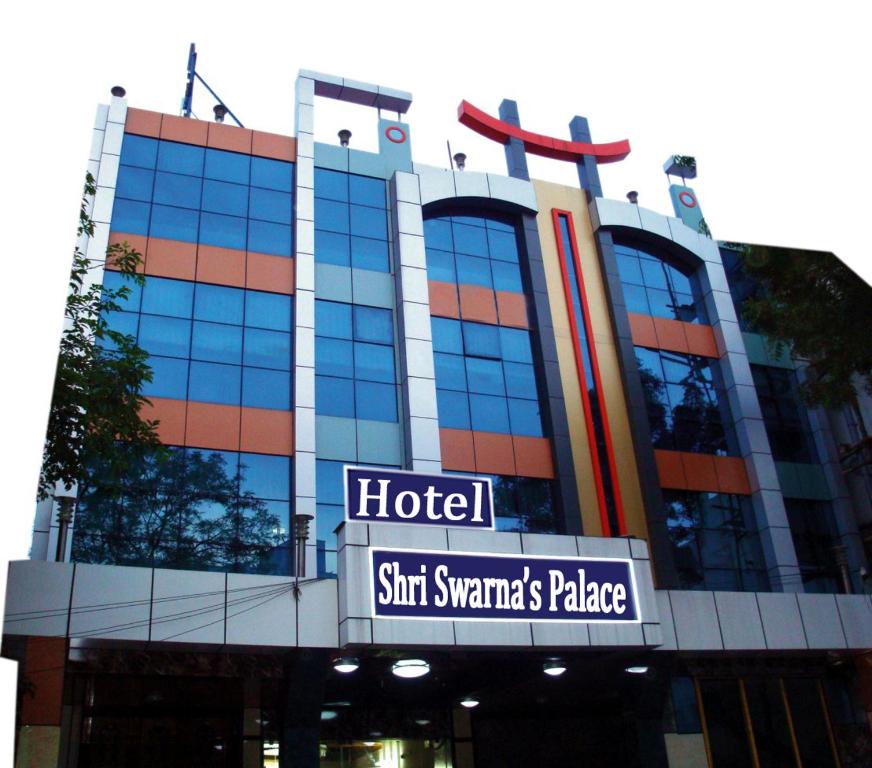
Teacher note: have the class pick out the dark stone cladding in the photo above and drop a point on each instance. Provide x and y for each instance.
(649, 481)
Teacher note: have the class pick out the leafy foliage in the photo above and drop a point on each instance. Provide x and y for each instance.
(814, 304)
(100, 373)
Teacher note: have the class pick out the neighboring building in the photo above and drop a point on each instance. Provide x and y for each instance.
(308, 307)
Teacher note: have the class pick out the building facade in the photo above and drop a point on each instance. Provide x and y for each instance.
(309, 307)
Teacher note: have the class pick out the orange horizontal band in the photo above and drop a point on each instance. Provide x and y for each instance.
(206, 134)
(222, 427)
(211, 264)
(672, 335)
(682, 470)
(496, 454)
(478, 304)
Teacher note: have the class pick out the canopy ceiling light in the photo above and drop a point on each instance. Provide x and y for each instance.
(410, 668)
(329, 714)
(554, 668)
(638, 669)
(469, 702)
(346, 664)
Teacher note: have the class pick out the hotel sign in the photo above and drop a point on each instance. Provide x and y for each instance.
(413, 584)
(392, 496)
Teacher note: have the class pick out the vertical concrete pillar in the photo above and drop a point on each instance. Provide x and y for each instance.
(417, 372)
(304, 315)
(516, 155)
(464, 756)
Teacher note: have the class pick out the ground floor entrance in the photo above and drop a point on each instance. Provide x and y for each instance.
(390, 708)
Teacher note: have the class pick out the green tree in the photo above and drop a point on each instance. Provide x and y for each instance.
(97, 393)
(814, 304)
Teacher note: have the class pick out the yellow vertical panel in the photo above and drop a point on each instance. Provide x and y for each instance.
(573, 200)
(550, 196)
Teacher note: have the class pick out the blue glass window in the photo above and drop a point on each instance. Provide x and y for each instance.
(266, 477)
(333, 319)
(134, 183)
(481, 340)
(485, 376)
(129, 216)
(268, 310)
(173, 223)
(169, 378)
(503, 245)
(334, 357)
(161, 296)
(473, 271)
(270, 238)
(217, 343)
(335, 397)
(272, 174)
(524, 417)
(470, 240)
(270, 205)
(139, 151)
(450, 371)
(437, 234)
(121, 322)
(377, 402)
(446, 335)
(367, 253)
(175, 189)
(653, 274)
(227, 166)
(507, 277)
(267, 349)
(329, 482)
(214, 383)
(489, 413)
(223, 231)
(374, 362)
(331, 185)
(332, 248)
(440, 266)
(180, 158)
(219, 304)
(636, 299)
(453, 408)
(515, 345)
(331, 215)
(266, 389)
(373, 324)
(368, 222)
(520, 380)
(114, 281)
(366, 191)
(167, 336)
(224, 197)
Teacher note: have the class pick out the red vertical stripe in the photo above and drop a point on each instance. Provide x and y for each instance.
(582, 379)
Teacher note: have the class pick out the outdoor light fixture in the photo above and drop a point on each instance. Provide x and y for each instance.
(633, 197)
(460, 161)
(118, 91)
(554, 668)
(469, 702)
(220, 112)
(346, 664)
(369, 743)
(422, 721)
(410, 668)
(344, 137)
(637, 669)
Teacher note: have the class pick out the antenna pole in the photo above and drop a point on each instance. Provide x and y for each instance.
(450, 156)
(187, 101)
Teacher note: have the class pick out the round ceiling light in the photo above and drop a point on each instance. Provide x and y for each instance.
(410, 668)
(329, 714)
(469, 702)
(346, 664)
(637, 669)
(554, 668)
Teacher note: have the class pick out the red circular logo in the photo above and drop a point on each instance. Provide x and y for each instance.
(395, 134)
(687, 199)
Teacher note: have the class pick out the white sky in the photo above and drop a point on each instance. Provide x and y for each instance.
(768, 96)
